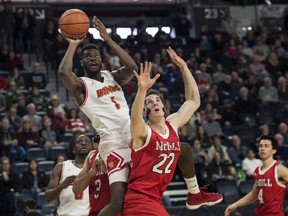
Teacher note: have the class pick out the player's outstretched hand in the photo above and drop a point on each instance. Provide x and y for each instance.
(176, 59)
(68, 181)
(229, 209)
(101, 28)
(144, 78)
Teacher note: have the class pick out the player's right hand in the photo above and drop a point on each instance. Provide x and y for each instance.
(68, 181)
(75, 42)
(229, 209)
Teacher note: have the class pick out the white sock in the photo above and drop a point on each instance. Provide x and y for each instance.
(192, 185)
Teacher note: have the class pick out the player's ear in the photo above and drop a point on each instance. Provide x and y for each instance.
(81, 62)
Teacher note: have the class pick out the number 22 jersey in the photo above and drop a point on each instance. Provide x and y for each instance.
(153, 164)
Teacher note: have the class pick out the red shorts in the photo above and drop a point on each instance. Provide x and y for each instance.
(141, 205)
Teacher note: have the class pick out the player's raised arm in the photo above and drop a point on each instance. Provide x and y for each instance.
(192, 96)
(65, 74)
(82, 180)
(138, 126)
(124, 74)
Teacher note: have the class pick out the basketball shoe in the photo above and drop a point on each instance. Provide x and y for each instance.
(195, 201)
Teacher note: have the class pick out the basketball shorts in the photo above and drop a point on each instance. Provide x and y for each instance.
(141, 205)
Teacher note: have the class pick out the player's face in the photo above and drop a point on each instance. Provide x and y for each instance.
(155, 105)
(91, 61)
(83, 145)
(265, 149)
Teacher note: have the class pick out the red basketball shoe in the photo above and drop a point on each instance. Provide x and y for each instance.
(195, 201)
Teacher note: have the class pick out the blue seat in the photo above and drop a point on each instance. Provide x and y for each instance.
(36, 153)
(55, 151)
(19, 167)
(46, 166)
(246, 187)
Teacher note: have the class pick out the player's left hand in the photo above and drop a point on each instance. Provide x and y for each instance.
(229, 209)
(176, 59)
(101, 28)
(144, 80)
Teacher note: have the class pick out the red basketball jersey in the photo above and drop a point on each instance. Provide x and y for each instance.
(270, 191)
(99, 190)
(153, 164)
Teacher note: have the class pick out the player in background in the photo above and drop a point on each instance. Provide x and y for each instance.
(62, 178)
(156, 145)
(92, 175)
(100, 97)
(271, 180)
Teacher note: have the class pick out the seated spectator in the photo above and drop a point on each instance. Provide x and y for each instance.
(32, 208)
(32, 117)
(33, 180)
(14, 120)
(75, 123)
(10, 185)
(283, 130)
(282, 115)
(56, 120)
(58, 108)
(27, 136)
(237, 152)
(218, 76)
(36, 77)
(268, 94)
(220, 148)
(2, 103)
(229, 117)
(12, 94)
(200, 156)
(246, 107)
(202, 136)
(16, 76)
(250, 163)
(13, 61)
(282, 149)
(9, 143)
(282, 88)
(211, 126)
(60, 159)
(3, 83)
(38, 99)
(217, 170)
(21, 106)
(49, 137)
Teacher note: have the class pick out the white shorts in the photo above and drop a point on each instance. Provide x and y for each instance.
(116, 154)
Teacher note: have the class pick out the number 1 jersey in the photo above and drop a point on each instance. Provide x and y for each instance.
(105, 105)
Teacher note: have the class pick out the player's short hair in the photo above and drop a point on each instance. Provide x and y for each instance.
(268, 137)
(156, 92)
(88, 47)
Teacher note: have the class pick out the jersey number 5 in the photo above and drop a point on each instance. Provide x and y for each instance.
(163, 158)
(117, 105)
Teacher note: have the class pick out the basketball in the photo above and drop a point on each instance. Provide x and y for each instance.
(74, 24)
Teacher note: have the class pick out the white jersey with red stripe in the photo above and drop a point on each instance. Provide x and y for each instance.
(105, 105)
(70, 204)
